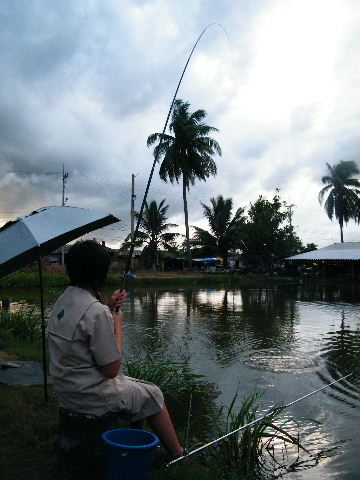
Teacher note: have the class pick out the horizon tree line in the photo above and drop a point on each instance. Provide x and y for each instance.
(186, 155)
(260, 235)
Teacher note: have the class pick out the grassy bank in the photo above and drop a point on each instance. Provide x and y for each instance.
(29, 436)
(28, 433)
(52, 280)
(30, 280)
(146, 279)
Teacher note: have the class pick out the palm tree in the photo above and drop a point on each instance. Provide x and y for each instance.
(153, 232)
(187, 153)
(225, 229)
(343, 192)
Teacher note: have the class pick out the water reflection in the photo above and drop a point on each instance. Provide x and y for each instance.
(343, 292)
(247, 320)
(341, 351)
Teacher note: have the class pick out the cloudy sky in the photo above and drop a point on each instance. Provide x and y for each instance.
(85, 82)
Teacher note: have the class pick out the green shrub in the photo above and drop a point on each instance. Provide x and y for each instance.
(173, 378)
(24, 324)
(28, 280)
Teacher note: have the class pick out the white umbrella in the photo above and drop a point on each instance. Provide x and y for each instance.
(26, 239)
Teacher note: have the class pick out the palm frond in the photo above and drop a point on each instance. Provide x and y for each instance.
(322, 193)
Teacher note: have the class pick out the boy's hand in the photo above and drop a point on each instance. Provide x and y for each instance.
(116, 300)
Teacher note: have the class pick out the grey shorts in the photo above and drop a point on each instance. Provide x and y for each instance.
(139, 399)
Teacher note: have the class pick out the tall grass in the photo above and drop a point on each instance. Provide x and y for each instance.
(173, 378)
(24, 324)
(247, 453)
(28, 280)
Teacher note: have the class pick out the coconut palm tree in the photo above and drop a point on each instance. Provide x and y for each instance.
(225, 229)
(153, 232)
(187, 154)
(342, 192)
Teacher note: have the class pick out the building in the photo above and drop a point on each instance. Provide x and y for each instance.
(336, 259)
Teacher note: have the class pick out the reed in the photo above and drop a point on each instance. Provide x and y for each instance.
(247, 453)
(173, 378)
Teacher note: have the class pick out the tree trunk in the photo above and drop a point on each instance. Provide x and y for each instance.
(224, 254)
(188, 255)
(341, 232)
(225, 260)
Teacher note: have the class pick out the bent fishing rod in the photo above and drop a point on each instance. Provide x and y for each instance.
(220, 439)
(139, 217)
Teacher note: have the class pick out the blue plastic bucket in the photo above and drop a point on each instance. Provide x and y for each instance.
(128, 453)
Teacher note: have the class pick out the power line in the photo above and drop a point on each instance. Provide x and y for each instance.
(30, 173)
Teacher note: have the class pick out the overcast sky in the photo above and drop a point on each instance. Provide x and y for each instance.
(85, 82)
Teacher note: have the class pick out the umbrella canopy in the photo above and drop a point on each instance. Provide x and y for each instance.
(42, 231)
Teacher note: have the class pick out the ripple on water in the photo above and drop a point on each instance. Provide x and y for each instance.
(282, 363)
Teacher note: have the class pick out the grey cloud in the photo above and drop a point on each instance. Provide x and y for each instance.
(304, 117)
(252, 149)
(83, 83)
(281, 177)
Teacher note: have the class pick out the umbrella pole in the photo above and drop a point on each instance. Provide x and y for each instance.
(43, 339)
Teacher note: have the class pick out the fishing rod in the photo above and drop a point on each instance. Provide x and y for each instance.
(132, 245)
(214, 442)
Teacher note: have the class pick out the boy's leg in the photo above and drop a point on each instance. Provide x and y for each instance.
(162, 426)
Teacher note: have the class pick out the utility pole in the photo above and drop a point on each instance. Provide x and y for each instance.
(132, 213)
(64, 179)
(290, 213)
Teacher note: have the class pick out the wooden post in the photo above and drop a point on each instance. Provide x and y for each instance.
(43, 338)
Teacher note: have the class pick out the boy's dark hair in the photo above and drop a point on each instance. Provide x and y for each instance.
(87, 264)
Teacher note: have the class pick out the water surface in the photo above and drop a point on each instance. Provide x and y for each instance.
(282, 341)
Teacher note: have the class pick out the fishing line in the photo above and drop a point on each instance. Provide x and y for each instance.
(136, 231)
(188, 423)
(214, 442)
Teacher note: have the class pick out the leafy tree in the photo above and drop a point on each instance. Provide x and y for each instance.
(287, 242)
(265, 238)
(342, 192)
(225, 229)
(309, 247)
(153, 233)
(187, 154)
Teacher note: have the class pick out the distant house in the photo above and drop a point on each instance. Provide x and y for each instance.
(335, 259)
(122, 257)
(55, 257)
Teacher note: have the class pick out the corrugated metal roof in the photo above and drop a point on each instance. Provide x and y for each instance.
(335, 251)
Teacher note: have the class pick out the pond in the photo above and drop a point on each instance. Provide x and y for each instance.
(282, 341)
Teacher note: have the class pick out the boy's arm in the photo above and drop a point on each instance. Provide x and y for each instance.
(112, 369)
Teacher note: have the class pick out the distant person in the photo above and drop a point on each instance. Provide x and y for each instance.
(5, 304)
(85, 342)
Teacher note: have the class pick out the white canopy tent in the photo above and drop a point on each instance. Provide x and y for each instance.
(336, 251)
